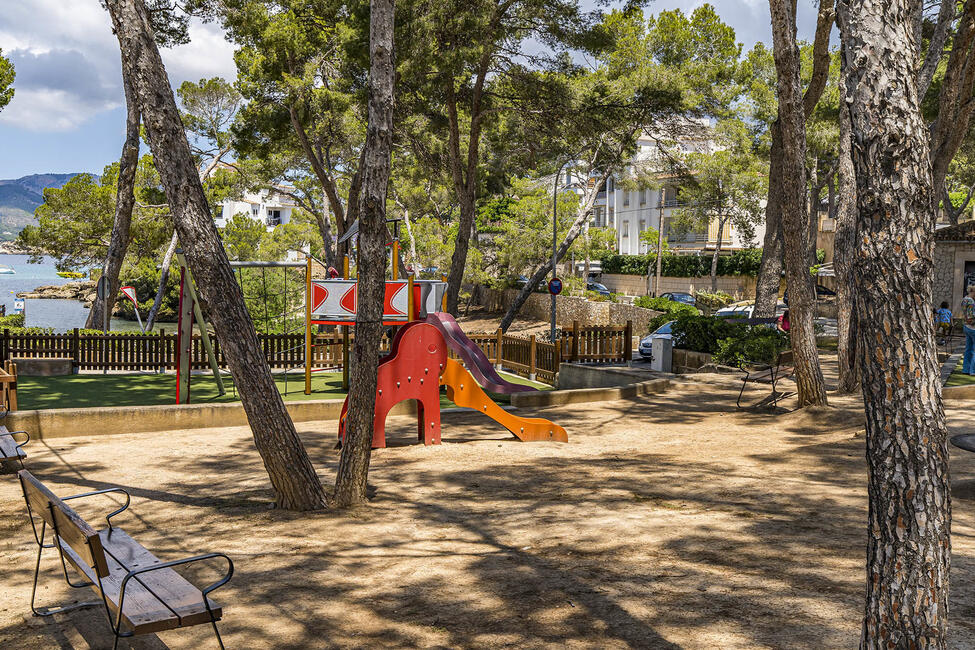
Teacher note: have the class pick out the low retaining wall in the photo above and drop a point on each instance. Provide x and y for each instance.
(573, 376)
(543, 399)
(689, 361)
(61, 423)
(569, 309)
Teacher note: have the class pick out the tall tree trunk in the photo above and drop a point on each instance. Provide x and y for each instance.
(770, 269)
(773, 251)
(294, 480)
(908, 534)
(815, 194)
(163, 280)
(350, 484)
(124, 203)
(462, 245)
(717, 252)
(809, 376)
(844, 247)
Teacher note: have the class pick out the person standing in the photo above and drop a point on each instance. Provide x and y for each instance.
(968, 318)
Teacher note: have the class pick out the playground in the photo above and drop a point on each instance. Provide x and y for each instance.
(667, 521)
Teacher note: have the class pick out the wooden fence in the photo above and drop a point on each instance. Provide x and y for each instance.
(527, 357)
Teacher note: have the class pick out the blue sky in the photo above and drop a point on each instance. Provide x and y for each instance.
(67, 114)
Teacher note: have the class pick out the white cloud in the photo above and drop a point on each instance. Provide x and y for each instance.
(67, 62)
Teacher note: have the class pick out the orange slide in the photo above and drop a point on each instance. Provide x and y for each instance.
(462, 390)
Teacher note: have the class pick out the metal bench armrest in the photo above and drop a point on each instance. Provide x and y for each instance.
(128, 500)
(13, 433)
(167, 565)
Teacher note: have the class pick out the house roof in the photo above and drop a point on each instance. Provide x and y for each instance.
(964, 231)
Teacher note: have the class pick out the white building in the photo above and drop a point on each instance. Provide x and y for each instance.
(631, 211)
(268, 206)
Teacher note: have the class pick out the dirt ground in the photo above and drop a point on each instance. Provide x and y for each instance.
(672, 521)
(478, 321)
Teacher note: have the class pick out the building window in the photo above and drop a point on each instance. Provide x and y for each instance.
(255, 211)
(273, 217)
(626, 198)
(643, 197)
(626, 228)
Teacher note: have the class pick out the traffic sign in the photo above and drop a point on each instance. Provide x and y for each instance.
(555, 286)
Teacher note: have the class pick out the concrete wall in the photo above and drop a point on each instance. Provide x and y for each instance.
(740, 286)
(60, 423)
(620, 313)
(580, 375)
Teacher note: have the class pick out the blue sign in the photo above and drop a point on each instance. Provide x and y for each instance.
(555, 286)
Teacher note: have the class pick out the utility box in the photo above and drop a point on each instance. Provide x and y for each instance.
(663, 354)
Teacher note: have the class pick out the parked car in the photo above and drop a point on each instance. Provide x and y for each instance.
(646, 343)
(681, 297)
(523, 280)
(821, 292)
(598, 288)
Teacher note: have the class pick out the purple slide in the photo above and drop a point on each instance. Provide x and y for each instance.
(473, 358)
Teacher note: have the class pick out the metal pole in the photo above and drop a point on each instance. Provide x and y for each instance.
(308, 348)
(660, 243)
(555, 220)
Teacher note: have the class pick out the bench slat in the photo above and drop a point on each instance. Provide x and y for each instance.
(143, 613)
(8, 447)
(72, 529)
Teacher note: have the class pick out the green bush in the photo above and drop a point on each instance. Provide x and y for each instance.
(702, 333)
(757, 345)
(671, 310)
(744, 262)
(12, 320)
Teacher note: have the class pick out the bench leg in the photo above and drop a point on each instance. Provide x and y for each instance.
(744, 382)
(33, 592)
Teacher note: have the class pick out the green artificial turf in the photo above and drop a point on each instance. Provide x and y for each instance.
(958, 378)
(93, 390)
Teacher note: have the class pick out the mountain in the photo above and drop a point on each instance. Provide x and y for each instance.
(19, 197)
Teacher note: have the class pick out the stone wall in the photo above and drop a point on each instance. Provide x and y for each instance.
(949, 271)
(569, 309)
(620, 313)
(740, 286)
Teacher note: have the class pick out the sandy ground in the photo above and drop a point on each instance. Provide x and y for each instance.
(478, 321)
(673, 521)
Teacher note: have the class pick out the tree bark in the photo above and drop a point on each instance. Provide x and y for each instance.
(908, 541)
(809, 377)
(770, 270)
(773, 250)
(124, 203)
(717, 252)
(844, 246)
(350, 484)
(295, 483)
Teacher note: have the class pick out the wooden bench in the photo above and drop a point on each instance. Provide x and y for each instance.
(10, 449)
(141, 593)
(782, 369)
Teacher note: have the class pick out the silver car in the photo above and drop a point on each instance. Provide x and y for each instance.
(646, 343)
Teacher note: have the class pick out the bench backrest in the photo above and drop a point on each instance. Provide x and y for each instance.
(785, 358)
(70, 527)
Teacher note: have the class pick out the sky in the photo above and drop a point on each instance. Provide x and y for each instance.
(68, 113)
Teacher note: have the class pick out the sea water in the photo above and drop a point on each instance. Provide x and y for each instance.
(61, 315)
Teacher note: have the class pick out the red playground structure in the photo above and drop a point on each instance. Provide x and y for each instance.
(416, 367)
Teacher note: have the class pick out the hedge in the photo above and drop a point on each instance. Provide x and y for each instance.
(744, 262)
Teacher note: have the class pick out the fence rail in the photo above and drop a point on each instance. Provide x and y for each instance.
(527, 357)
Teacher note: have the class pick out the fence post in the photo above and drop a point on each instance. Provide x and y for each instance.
(531, 359)
(628, 342)
(499, 356)
(5, 349)
(75, 351)
(574, 354)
